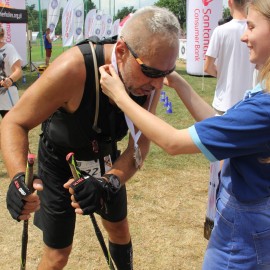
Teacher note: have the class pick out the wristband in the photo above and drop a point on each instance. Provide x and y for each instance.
(11, 80)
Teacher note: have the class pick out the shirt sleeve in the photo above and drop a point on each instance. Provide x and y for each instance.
(214, 44)
(243, 130)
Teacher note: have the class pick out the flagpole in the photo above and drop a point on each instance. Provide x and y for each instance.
(40, 28)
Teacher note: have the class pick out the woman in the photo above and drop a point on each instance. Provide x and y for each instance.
(241, 235)
(10, 72)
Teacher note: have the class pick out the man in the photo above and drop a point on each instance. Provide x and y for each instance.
(227, 58)
(65, 95)
(48, 46)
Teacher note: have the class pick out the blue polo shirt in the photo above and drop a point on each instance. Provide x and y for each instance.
(241, 137)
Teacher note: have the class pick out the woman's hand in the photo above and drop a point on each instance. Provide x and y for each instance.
(111, 84)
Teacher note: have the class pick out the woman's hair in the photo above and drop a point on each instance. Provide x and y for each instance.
(147, 23)
(263, 7)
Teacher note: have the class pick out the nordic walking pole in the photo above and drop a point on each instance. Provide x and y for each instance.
(76, 175)
(29, 183)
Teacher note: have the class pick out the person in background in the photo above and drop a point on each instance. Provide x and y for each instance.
(240, 239)
(47, 45)
(227, 59)
(10, 72)
(74, 121)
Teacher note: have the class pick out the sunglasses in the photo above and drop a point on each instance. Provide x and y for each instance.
(146, 70)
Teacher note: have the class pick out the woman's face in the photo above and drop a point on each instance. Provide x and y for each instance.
(257, 37)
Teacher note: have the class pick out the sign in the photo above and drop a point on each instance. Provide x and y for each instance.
(202, 19)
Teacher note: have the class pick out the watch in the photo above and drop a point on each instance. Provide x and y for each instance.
(113, 181)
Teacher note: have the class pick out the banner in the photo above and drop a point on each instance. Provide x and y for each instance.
(108, 30)
(53, 14)
(202, 19)
(67, 24)
(89, 24)
(78, 20)
(98, 24)
(11, 15)
(115, 27)
(15, 33)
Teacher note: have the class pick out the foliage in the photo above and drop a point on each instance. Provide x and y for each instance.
(226, 13)
(177, 7)
(122, 13)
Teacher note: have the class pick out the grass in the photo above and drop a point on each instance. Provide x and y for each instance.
(166, 202)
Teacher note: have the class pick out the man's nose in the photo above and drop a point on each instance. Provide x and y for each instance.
(157, 83)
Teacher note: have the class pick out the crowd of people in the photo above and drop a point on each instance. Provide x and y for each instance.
(95, 92)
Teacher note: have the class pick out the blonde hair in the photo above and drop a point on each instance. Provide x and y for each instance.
(263, 7)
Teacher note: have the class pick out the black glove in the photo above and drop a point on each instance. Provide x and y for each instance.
(16, 192)
(92, 193)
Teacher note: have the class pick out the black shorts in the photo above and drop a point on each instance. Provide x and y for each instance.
(56, 218)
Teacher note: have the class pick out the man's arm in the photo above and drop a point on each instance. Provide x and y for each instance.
(209, 66)
(49, 38)
(54, 89)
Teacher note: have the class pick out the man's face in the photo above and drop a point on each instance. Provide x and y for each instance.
(143, 74)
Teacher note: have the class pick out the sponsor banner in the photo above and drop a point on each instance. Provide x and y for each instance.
(78, 20)
(98, 24)
(67, 24)
(109, 21)
(202, 19)
(15, 33)
(89, 23)
(115, 27)
(53, 14)
(12, 15)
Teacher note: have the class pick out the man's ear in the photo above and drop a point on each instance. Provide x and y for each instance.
(121, 51)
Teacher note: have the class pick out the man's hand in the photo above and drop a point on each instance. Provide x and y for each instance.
(89, 194)
(20, 201)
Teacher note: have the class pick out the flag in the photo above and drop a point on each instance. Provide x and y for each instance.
(98, 23)
(78, 20)
(115, 27)
(67, 24)
(89, 23)
(108, 30)
(53, 14)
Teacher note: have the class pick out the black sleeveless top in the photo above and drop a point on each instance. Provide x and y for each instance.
(66, 132)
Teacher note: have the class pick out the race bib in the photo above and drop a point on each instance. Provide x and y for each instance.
(92, 167)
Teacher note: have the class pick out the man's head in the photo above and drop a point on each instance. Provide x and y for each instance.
(238, 5)
(147, 48)
(48, 30)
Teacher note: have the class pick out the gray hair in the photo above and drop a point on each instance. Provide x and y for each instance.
(148, 23)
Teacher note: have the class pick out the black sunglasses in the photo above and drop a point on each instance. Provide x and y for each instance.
(146, 70)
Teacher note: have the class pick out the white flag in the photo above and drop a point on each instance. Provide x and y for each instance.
(108, 31)
(98, 22)
(78, 20)
(53, 16)
(115, 27)
(89, 23)
(67, 24)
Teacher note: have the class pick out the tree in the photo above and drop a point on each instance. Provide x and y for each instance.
(177, 7)
(226, 13)
(123, 12)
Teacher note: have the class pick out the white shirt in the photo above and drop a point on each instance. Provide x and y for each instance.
(234, 70)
